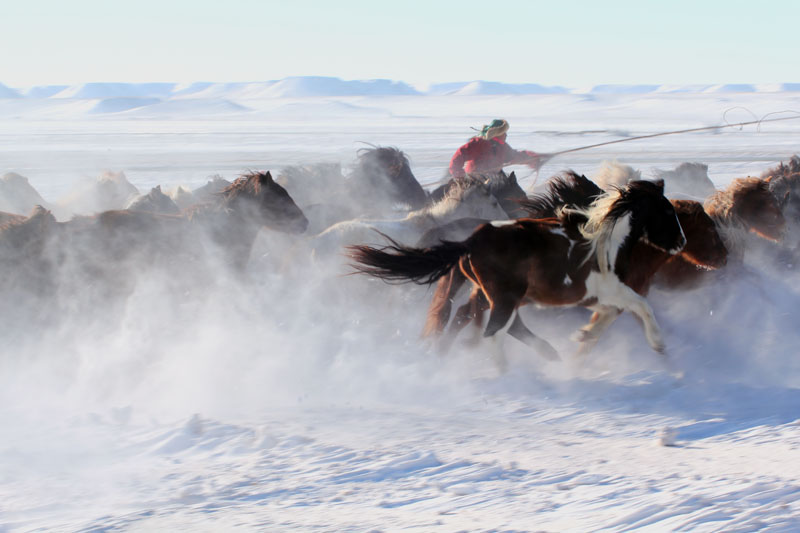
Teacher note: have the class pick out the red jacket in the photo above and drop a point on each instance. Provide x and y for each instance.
(480, 155)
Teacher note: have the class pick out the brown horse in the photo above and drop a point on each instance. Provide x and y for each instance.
(745, 206)
(783, 169)
(231, 223)
(576, 259)
(154, 202)
(26, 280)
(786, 190)
(113, 244)
(5, 218)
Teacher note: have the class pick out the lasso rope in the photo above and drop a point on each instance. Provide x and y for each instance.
(551, 155)
(690, 130)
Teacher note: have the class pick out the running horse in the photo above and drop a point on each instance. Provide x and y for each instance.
(704, 248)
(113, 241)
(577, 258)
(746, 206)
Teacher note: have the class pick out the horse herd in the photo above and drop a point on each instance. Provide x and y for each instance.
(599, 244)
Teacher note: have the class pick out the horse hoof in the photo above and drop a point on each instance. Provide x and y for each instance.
(581, 336)
(550, 353)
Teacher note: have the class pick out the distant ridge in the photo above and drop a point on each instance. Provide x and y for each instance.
(7, 92)
(321, 86)
(493, 88)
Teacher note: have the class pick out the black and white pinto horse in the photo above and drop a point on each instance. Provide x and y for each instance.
(578, 258)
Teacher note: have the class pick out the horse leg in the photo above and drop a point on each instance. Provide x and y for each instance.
(498, 354)
(629, 300)
(442, 302)
(520, 331)
(589, 334)
(469, 312)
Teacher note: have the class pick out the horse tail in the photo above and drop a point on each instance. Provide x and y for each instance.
(403, 264)
(442, 302)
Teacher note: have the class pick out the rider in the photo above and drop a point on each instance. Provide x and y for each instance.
(489, 153)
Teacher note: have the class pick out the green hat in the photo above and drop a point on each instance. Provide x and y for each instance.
(495, 129)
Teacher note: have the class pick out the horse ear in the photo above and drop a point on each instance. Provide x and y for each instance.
(768, 179)
(660, 184)
(513, 177)
(265, 177)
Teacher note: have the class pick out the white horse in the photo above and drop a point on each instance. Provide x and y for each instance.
(686, 181)
(471, 200)
(615, 174)
(17, 195)
(111, 190)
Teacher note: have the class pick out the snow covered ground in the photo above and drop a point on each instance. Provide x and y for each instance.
(296, 402)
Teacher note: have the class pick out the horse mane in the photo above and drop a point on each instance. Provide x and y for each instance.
(784, 187)
(37, 213)
(604, 212)
(39, 219)
(248, 184)
(368, 155)
(454, 195)
(566, 189)
(782, 169)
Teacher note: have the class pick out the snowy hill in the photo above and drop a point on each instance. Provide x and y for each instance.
(493, 88)
(117, 90)
(7, 92)
(321, 86)
(44, 91)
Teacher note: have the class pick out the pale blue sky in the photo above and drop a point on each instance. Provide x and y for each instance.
(570, 43)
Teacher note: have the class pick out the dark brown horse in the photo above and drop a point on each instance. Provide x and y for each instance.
(745, 207)
(576, 259)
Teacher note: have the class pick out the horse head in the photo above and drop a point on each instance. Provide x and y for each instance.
(387, 171)
(257, 196)
(786, 190)
(474, 200)
(704, 245)
(652, 216)
(753, 205)
(688, 178)
(508, 192)
(155, 202)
